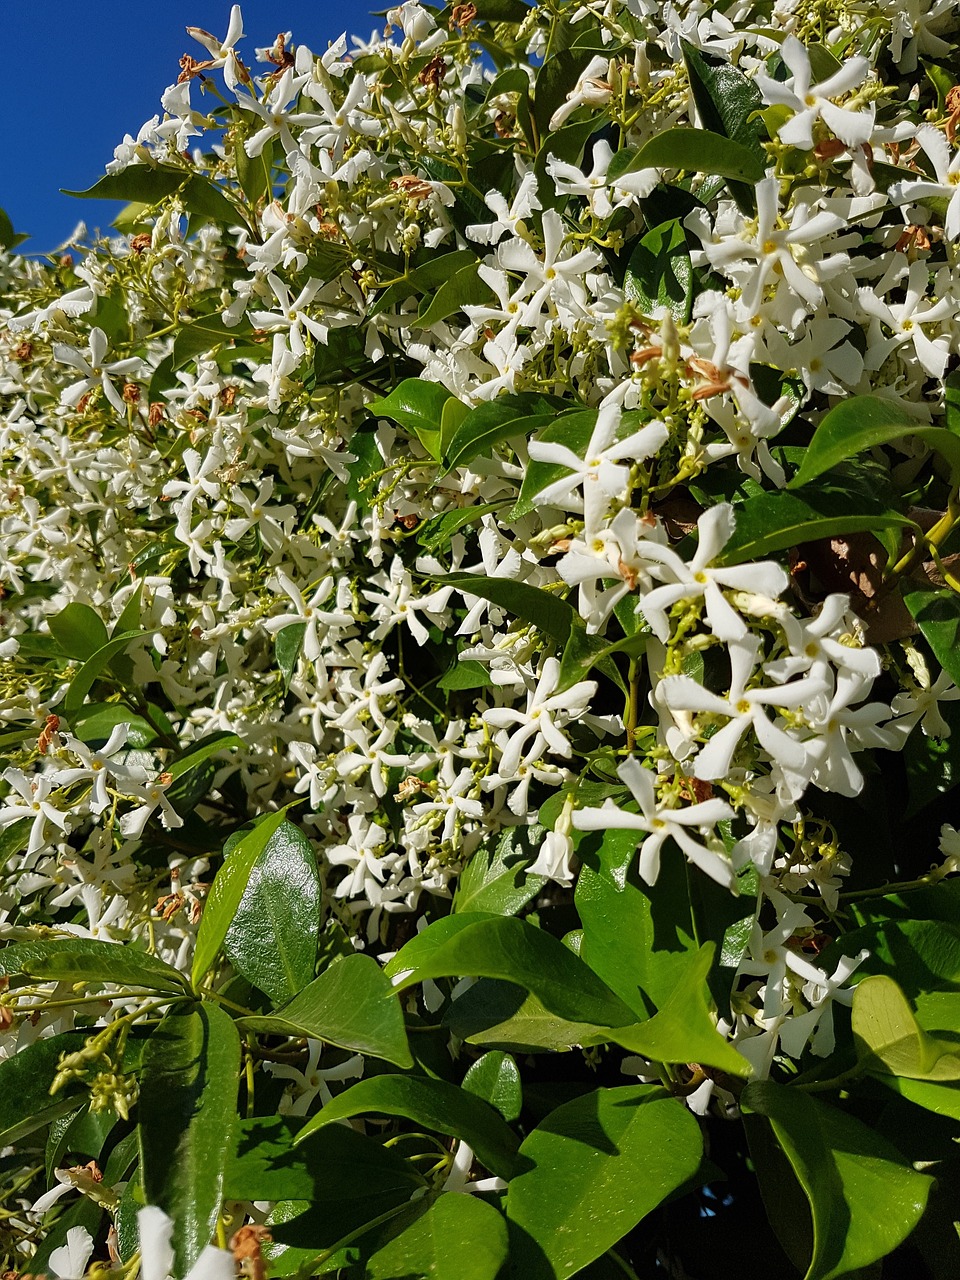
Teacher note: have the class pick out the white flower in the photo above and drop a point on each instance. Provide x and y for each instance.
(156, 1251)
(95, 372)
(947, 185)
(812, 101)
(540, 724)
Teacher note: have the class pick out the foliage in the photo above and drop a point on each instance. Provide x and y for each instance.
(479, 659)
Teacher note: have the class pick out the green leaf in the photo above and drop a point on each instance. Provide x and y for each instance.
(435, 534)
(863, 1199)
(836, 503)
(272, 939)
(288, 643)
(464, 288)
(434, 1104)
(417, 405)
(188, 1117)
(503, 1016)
(351, 1004)
(205, 199)
(201, 750)
(78, 630)
(932, 764)
(937, 614)
(544, 610)
(458, 1238)
(496, 1079)
(25, 1079)
(506, 418)
(699, 151)
(253, 173)
(96, 721)
(555, 79)
(922, 955)
(659, 272)
(205, 334)
(466, 674)
(889, 1039)
(87, 676)
(727, 101)
(514, 951)
(333, 1165)
(140, 182)
(89, 960)
(941, 1099)
(863, 422)
(228, 889)
(495, 880)
(601, 1163)
(584, 651)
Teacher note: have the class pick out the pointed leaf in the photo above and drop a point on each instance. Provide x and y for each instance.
(464, 288)
(699, 151)
(937, 614)
(90, 960)
(660, 274)
(352, 1005)
(78, 630)
(496, 1079)
(434, 1104)
(26, 1103)
(86, 677)
(188, 1117)
(143, 183)
(889, 1039)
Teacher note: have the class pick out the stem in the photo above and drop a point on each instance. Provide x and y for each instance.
(633, 703)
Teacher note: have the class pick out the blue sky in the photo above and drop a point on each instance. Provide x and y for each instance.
(78, 77)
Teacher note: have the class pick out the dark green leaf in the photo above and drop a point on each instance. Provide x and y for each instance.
(545, 611)
(25, 1079)
(863, 422)
(272, 939)
(253, 173)
(458, 1238)
(204, 198)
(496, 1079)
(417, 405)
(89, 960)
(188, 1117)
(659, 272)
(201, 750)
(205, 334)
(78, 630)
(495, 879)
(601, 1163)
(87, 676)
(437, 1106)
(699, 151)
(937, 614)
(727, 101)
(463, 288)
(435, 534)
(556, 78)
(351, 1004)
(503, 1016)
(863, 1199)
(288, 643)
(506, 418)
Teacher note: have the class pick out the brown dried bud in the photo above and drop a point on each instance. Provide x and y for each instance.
(24, 352)
(463, 15)
(49, 731)
(130, 393)
(155, 413)
(228, 397)
(83, 402)
(433, 73)
(412, 187)
(141, 242)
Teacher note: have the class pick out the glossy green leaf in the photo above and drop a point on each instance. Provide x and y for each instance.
(937, 614)
(335, 1164)
(943, 1099)
(351, 1004)
(205, 199)
(600, 1164)
(466, 674)
(228, 889)
(253, 172)
(188, 1115)
(417, 405)
(573, 431)
(207, 333)
(26, 1103)
(144, 183)
(83, 1133)
(584, 651)
(272, 939)
(833, 505)
(699, 151)
(78, 630)
(506, 418)
(727, 102)
(89, 673)
(435, 534)
(458, 1238)
(863, 422)
(464, 288)
(889, 1039)
(555, 79)
(495, 879)
(863, 1200)
(921, 955)
(95, 722)
(89, 960)
(435, 1105)
(200, 751)
(541, 608)
(659, 273)
(513, 951)
(496, 1079)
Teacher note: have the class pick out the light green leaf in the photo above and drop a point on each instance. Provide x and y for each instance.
(78, 630)
(188, 1117)
(96, 721)
(435, 1105)
(458, 1238)
(699, 151)
(514, 951)
(863, 422)
(466, 674)
(417, 405)
(600, 1164)
(89, 960)
(351, 1004)
(504, 1016)
(272, 939)
(288, 643)
(495, 879)
(496, 1079)
(889, 1039)
(228, 888)
(143, 183)
(863, 1200)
